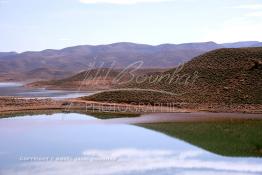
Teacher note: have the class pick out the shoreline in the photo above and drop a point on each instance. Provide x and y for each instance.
(185, 117)
(11, 105)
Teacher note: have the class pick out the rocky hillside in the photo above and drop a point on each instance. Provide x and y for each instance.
(223, 76)
(94, 79)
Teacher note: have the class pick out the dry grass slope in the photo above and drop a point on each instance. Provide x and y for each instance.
(224, 76)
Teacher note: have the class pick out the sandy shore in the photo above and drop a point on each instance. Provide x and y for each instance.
(175, 108)
(9, 105)
(15, 104)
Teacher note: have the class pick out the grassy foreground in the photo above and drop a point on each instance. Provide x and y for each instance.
(231, 138)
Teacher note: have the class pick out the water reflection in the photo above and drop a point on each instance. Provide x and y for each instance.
(104, 148)
(139, 161)
(10, 84)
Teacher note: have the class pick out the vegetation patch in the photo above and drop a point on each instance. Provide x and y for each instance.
(230, 138)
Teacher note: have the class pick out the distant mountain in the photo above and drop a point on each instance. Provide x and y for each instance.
(5, 54)
(257, 44)
(80, 58)
(207, 46)
(45, 73)
(241, 44)
(224, 76)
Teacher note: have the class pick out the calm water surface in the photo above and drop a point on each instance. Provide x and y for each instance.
(17, 89)
(66, 144)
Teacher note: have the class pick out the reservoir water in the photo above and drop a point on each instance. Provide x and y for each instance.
(66, 144)
(17, 89)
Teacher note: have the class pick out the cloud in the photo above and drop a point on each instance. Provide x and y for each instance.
(249, 6)
(121, 2)
(255, 14)
(245, 28)
(255, 9)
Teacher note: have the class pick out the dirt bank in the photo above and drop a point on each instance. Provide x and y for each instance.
(14, 104)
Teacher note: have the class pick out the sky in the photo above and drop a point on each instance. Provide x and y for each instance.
(40, 24)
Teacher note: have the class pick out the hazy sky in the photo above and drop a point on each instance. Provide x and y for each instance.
(41, 24)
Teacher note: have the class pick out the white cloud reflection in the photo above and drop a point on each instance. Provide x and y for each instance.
(249, 6)
(123, 2)
(136, 161)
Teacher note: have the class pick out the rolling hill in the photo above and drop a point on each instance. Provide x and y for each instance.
(94, 79)
(223, 76)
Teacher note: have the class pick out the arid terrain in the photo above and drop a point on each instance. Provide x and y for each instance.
(223, 80)
(53, 64)
(220, 77)
(130, 87)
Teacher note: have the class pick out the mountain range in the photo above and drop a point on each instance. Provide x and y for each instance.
(56, 64)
